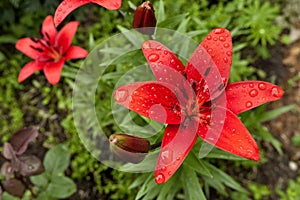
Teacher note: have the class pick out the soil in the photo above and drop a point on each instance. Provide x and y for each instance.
(284, 64)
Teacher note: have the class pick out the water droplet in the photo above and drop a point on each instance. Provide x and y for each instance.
(200, 51)
(233, 130)
(209, 50)
(218, 31)
(275, 92)
(167, 156)
(226, 45)
(164, 168)
(153, 57)
(121, 95)
(208, 37)
(228, 53)
(222, 39)
(160, 179)
(262, 86)
(248, 104)
(225, 60)
(215, 39)
(172, 61)
(165, 52)
(178, 158)
(251, 85)
(253, 93)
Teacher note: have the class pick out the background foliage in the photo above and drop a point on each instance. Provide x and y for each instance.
(36, 102)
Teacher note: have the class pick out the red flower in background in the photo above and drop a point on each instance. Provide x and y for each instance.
(50, 52)
(67, 6)
(196, 100)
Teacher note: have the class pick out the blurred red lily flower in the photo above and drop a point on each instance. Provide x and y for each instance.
(67, 6)
(196, 100)
(50, 52)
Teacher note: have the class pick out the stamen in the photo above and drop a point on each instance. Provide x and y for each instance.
(34, 40)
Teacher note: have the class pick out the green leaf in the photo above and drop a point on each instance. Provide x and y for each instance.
(171, 22)
(134, 37)
(196, 164)
(170, 188)
(57, 160)
(219, 154)
(40, 180)
(61, 187)
(160, 13)
(266, 116)
(219, 175)
(191, 185)
(7, 196)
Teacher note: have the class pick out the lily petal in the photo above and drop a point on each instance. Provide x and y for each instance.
(177, 142)
(30, 47)
(48, 30)
(52, 71)
(218, 44)
(245, 95)
(228, 133)
(29, 69)
(65, 8)
(160, 57)
(75, 52)
(65, 36)
(211, 61)
(109, 4)
(154, 100)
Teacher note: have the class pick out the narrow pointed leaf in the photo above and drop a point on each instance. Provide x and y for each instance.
(177, 142)
(154, 100)
(245, 95)
(228, 133)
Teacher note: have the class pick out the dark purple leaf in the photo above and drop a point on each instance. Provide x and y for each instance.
(14, 187)
(30, 165)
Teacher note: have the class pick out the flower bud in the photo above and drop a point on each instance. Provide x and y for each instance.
(129, 148)
(144, 18)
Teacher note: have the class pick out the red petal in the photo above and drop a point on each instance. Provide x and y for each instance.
(218, 45)
(160, 58)
(29, 69)
(211, 61)
(154, 100)
(30, 48)
(109, 4)
(228, 133)
(245, 95)
(65, 36)
(75, 52)
(65, 8)
(177, 142)
(53, 70)
(48, 30)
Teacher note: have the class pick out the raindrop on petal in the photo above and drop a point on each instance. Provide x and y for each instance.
(248, 104)
(153, 57)
(251, 85)
(208, 37)
(228, 53)
(121, 95)
(262, 86)
(275, 92)
(225, 60)
(218, 31)
(167, 156)
(160, 178)
(222, 39)
(253, 93)
(226, 45)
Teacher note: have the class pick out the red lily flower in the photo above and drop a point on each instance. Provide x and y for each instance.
(196, 100)
(67, 6)
(50, 52)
